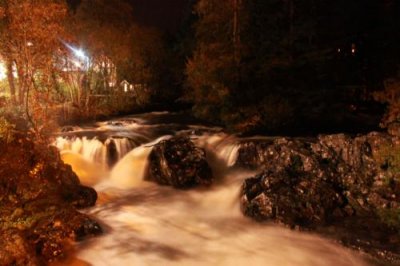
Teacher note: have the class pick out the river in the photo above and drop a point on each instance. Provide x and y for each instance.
(148, 224)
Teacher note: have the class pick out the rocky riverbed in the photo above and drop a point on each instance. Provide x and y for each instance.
(345, 187)
(331, 199)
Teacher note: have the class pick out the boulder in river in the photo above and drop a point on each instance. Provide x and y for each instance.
(296, 187)
(345, 187)
(179, 163)
(315, 181)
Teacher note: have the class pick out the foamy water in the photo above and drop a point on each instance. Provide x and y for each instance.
(148, 224)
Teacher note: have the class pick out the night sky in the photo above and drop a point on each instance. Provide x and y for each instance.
(164, 14)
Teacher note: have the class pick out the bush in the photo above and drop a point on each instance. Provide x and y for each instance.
(7, 130)
(272, 114)
(390, 96)
(11, 121)
(388, 157)
(390, 217)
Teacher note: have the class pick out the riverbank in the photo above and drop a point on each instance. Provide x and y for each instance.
(115, 157)
(128, 203)
(39, 201)
(346, 188)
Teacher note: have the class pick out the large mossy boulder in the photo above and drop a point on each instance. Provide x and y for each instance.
(30, 171)
(179, 163)
(315, 181)
(296, 187)
(39, 197)
(347, 188)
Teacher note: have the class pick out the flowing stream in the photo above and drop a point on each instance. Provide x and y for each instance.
(148, 224)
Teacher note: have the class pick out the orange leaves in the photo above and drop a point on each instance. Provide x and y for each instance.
(38, 22)
(30, 39)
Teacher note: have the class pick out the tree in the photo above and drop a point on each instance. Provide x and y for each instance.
(108, 32)
(239, 43)
(212, 70)
(391, 97)
(250, 54)
(99, 29)
(146, 63)
(31, 31)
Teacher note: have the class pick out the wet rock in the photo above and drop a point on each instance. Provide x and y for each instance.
(39, 197)
(84, 226)
(311, 182)
(253, 154)
(84, 197)
(179, 163)
(295, 188)
(67, 129)
(112, 152)
(350, 183)
(16, 250)
(52, 238)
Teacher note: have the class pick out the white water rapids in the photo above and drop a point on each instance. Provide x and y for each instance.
(148, 224)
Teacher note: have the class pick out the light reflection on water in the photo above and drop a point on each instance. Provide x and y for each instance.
(147, 224)
(153, 225)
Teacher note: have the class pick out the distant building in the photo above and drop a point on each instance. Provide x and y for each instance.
(126, 86)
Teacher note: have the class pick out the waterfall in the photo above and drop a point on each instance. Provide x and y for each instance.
(221, 151)
(90, 173)
(130, 171)
(105, 153)
(150, 224)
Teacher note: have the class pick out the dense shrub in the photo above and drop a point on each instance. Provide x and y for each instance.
(390, 96)
(388, 157)
(6, 130)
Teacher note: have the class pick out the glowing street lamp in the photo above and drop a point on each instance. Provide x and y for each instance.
(79, 53)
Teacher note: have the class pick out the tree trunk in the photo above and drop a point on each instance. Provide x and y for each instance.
(11, 81)
(236, 42)
(21, 85)
(236, 31)
(291, 29)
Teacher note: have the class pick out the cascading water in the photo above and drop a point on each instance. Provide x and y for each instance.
(148, 224)
(105, 153)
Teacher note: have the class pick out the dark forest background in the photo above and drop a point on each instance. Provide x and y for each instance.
(250, 65)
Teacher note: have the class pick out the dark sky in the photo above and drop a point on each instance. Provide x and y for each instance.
(164, 14)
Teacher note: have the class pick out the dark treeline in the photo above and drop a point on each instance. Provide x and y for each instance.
(250, 65)
(278, 64)
(274, 65)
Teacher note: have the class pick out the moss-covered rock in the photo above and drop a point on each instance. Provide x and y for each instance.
(328, 181)
(39, 195)
(179, 163)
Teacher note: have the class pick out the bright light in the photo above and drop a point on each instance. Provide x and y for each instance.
(79, 53)
(353, 48)
(3, 73)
